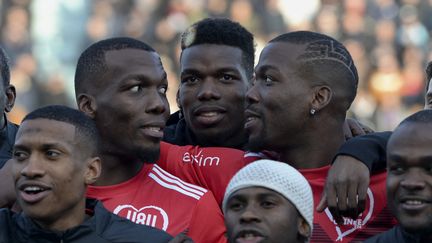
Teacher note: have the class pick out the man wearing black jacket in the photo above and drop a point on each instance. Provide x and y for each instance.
(409, 180)
(7, 100)
(54, 159)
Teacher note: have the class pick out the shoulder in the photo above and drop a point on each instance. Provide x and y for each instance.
(117, 229)
(175, 185)
(392, 235)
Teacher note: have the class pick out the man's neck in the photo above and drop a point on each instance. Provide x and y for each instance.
(237, 141)
(315, 149)
(117, 169)
(67, 220)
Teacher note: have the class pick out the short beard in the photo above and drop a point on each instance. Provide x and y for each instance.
(256, 144)
(148, 156)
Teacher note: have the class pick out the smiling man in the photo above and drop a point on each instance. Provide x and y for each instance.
(409, 180)
(56, 151)
(216, 66)
(268, 201)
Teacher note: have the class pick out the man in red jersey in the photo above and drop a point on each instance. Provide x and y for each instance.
(305, 83)
(120, 83)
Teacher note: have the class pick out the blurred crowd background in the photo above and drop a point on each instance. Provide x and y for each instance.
(388, 39)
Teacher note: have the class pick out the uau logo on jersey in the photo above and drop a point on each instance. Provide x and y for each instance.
(149, 215)
(200, 159)
(351, 225)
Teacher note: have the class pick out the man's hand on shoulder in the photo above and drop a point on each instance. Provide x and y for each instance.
(345, 190)
(353, 128)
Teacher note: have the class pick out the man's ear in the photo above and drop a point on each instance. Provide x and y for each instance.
(93, 170)
(10, 97)
(87, 104)
(322, 96)
(303, 228)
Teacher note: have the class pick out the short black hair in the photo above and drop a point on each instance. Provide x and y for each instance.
(92, 64)
(222, 31)
(4, 66)
(84, 125)
(423, 116)
(325, 60)
(428, 74)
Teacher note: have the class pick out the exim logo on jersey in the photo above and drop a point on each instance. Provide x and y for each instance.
(149, 215)
(200, 159)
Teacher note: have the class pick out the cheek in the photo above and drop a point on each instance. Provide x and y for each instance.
(230, 221)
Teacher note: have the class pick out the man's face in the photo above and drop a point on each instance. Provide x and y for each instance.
(212, 91)
(428, 97)
(278, 101)
(49, 171)
(132, 107)
(257, 214)
(409, 179)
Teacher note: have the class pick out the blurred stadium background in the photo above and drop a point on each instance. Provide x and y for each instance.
(389, 40)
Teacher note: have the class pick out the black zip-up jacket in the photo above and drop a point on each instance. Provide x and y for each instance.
(101, 227)
(398, 235)
(7, 140)
(370, 149)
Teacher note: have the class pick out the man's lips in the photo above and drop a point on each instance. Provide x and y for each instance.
(32, 191)
(414, 203)
(209, 115)
(249, 236)
(251, 117)
(154, 130)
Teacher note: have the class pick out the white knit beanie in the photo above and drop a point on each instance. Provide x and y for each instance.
(279, 177)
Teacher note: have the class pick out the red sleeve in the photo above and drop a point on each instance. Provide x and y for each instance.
(209, 167)
(207, 223)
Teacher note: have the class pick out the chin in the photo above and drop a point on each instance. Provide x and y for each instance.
(255, 144)
(149, 155)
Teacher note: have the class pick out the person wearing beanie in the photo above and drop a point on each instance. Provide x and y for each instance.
(268, 201)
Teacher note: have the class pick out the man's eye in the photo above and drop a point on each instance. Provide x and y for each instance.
(52, 153)
(20, 155)
(190, 79)
(268, 204)
(227, 77)
(396, 169)
(235, 206)
(163, 90)
(268, 80)
(135, 88)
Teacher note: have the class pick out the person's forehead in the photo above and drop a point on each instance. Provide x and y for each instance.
(411, 140)
(42, 130)
(129, 56)
(256, 191)
(220, 54)
(281, 54)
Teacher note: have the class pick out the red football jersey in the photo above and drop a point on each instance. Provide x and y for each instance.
(213, 167)
(375, 219)
(156, 198)
(209, 167)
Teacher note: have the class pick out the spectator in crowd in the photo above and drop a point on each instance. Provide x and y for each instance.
(120, 83)
(56, 150)
(315, 75)
(216, 68)
(409, 180)
(7, 92)
(268, 200)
